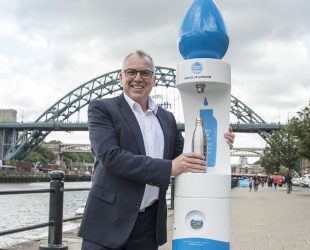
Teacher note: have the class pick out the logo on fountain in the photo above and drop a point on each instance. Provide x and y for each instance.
(197, 67)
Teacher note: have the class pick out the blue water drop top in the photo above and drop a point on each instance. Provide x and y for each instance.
(203, 32)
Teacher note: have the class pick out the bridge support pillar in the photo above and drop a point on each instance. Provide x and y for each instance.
(6, 140)
(6, 135)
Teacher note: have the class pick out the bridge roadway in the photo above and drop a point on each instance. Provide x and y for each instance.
(82, 126)
(26, 136)
(82, 148)
(269, 219)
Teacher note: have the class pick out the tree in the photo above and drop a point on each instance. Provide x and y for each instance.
(78, 157)
(287, 146)
(282, 149)
(42, 155)
(300, 126)
(270, 163)
(283, 170)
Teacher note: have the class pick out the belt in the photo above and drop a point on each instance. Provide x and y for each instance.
(149, 207)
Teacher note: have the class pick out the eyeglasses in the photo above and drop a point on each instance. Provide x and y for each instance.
(145, 74)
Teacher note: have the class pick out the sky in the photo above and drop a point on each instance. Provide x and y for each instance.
(48, 48)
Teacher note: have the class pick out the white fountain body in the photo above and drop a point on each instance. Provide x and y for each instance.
(202, 210)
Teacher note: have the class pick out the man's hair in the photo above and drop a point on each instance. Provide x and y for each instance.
(139, 53)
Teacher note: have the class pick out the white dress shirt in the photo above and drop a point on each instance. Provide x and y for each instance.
(153, 139)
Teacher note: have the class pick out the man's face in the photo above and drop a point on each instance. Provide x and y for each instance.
(138, 86)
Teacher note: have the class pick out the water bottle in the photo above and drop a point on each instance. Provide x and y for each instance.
(199, 141)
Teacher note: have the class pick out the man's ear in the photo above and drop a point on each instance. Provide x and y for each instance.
(121, 78)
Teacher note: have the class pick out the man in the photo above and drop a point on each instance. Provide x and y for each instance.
(138, 148)
(288, 181)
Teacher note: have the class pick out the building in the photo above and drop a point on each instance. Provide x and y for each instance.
(305, 166)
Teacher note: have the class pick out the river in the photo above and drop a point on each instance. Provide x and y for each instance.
(28, 209)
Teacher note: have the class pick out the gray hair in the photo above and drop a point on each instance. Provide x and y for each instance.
(139, 53)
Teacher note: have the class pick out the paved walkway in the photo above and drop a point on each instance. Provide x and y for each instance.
(270, 219)
(265, 220)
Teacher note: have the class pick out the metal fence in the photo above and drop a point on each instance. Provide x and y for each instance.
(56, 220)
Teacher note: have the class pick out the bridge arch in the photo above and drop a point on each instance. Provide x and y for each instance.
(248, 152)
(97, 88)
(73, 148)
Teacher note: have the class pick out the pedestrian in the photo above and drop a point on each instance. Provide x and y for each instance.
(275, 183)
(262, 182)
(256, 183)
(138, 148)
(288, 181)
(271, 181)
(250, 184)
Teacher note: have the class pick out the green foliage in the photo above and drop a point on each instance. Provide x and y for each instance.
(283, 170)
(46, 156)
(78, 157)
(270, 163)
(42, 155)
(286, 146)
(282, 149)
(54, 142)
(301, 128)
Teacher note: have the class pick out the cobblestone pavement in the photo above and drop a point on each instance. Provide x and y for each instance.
(269, 219)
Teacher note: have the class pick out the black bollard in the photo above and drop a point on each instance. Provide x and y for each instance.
(55, 212)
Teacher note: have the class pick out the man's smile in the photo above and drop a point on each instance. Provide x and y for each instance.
(137, 87)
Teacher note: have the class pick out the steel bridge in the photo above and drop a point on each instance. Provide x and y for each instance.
(72, 148)
(27, 136)
(247, 152)
(86, 148)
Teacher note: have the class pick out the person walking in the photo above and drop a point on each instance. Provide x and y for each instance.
(288, 181)
(256, 183)
(138, 148)
(270, 181)
(250, 184)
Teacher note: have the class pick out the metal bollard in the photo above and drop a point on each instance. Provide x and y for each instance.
(55, 212)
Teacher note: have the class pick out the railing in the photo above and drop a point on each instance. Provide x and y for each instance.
(56, 220)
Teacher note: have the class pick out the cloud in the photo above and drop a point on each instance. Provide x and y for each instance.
(49, 48)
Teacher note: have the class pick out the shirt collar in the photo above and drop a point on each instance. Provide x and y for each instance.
(151, 103)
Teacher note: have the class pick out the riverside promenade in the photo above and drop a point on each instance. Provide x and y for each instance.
(269, 219)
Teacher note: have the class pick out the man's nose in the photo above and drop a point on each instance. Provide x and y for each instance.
(138, 77)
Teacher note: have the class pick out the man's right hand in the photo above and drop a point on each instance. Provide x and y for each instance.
(188, 163)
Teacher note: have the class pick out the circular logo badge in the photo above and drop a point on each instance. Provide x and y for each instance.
(197, 67)
(195, 220)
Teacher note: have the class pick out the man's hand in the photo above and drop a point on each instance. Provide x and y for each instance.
(188, 162)
(230, 137)
(195, 163)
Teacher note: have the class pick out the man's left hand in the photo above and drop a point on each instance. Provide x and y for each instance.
(230, 137)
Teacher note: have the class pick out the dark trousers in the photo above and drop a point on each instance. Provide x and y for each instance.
(142, 237)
